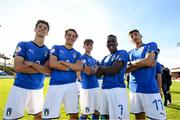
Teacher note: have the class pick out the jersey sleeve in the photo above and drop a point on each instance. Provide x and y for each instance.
(152, 47)
(158, 68)
(20, 50)
(53, 51)
(122, 56)
(78, 56)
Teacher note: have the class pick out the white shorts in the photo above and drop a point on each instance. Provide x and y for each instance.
(114, 102)
(151, 104)
(21, 99)
(89, 100)
(58, 94)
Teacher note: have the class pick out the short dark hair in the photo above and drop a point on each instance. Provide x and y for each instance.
(70, 29)
(112, 36)
(43, 22)
(88, 41)
(135, 30)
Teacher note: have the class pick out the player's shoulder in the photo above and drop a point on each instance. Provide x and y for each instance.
(57, 46)
(77, 52)
(152, 44)
(123, 52)
(24, 42)
(83, 56)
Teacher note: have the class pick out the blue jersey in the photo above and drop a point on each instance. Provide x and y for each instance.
(68, 55)
(115, 80)
(31, 52)
(158, 68)
(143, 79)
(88, 81)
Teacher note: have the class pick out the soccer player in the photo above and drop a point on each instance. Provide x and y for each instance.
(114, 101)
(145, 98)
(89, 97)
(65, 62)
(31, 65)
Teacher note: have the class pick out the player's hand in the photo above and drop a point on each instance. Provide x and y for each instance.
(151, 63)
(88, 70)
(99, 72)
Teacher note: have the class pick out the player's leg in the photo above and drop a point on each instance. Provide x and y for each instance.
(16, 103)
(53, 101)
(140, 116)
(136, 107)
(96, 103)
(118, 105)
(71, 101)
(153, 106)
(35, 104)
(164, 87)
(84, 103)
(104, 104)
(168, 95)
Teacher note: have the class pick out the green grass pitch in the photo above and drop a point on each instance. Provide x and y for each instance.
(173, 110)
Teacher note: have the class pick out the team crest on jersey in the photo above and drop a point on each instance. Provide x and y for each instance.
(46, 112)
(74, 55)
(52, 50)
(18, 49)
(87, 109)
(9, 111)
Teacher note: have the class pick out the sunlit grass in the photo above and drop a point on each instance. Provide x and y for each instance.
(173, 111)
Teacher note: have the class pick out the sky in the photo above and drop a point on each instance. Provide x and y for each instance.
(157, 20)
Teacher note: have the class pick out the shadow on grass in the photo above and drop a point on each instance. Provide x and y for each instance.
(175, 92)
(173, 106)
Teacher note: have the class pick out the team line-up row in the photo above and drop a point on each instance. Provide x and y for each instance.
(64, 64)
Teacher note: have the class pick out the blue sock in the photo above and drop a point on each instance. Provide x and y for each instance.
(82, 117)
(95, 117)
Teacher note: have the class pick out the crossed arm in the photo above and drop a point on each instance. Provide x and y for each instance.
(62, 65)
(148, 61)
(110, 70)
(23, 66)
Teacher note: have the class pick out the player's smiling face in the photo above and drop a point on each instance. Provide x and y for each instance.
(88, 47)
(136, 37)
(70, 37)
(41, 30)
(112, 44)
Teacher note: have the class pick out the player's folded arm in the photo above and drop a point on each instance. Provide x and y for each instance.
(55, 64)
(113, 69)
(42, 68)
(74, 66)
(19, 66)
(148, 61)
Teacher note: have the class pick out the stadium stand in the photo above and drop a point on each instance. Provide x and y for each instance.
(6, 68)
